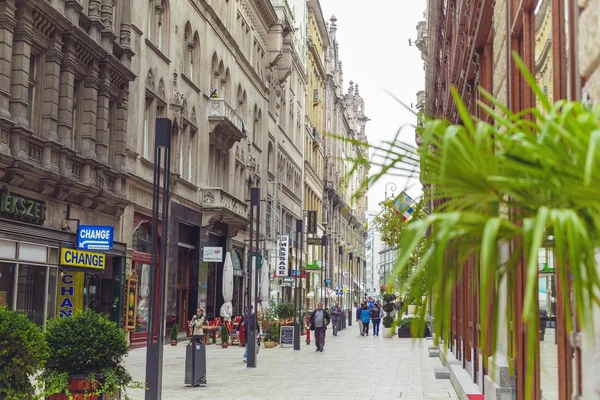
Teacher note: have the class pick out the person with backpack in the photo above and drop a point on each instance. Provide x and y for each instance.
(376, 319)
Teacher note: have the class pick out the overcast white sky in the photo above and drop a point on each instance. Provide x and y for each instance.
(373, 37)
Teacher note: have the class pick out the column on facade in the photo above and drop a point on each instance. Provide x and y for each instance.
(120, 132)
(102, 114)
(65, 96)
(7, 27)
(21, 53)
(87, 146)
(125, 33)
(52, 71)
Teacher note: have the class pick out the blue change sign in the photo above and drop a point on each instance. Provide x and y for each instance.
(90, 237)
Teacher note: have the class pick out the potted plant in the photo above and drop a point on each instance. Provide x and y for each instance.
(23, 352)
(174, 333)
(388, 319)
(404, 328)
(85, 360)
(224, 336)
(272, 335)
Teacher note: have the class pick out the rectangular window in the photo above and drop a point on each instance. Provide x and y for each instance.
(77, 111)
(31, 91)
(190, 158)
(181, 153)
(112, 112)
(32, 282)
(7, 284)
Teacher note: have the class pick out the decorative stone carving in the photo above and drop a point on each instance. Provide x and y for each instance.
(107, 15)
(122, 101)
(208, 197)
(193, 115)
(47, 188)
(87, 202)
(62, 192)
(94, 9)
(125, 36)
(150, 80)
(161, 88)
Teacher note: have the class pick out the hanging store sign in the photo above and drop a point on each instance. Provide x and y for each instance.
(312, 222)
(82, 259)
(95, 237)
(314, 241)
(69, 296)
(22, 208)
(212, 254)
(283, 243)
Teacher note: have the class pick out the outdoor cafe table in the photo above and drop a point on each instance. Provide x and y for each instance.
(211, 331)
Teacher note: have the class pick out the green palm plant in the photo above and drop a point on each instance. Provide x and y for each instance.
(516, 178)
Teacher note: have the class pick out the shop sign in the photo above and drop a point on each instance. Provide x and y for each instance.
(212, 254)
(82, 259)
(91, 237)
(69, 296)
(312, 222)
(22, 208)
(283, 250)
(315, 265)
(314, 241)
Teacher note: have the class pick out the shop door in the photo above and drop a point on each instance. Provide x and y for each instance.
(183, 285)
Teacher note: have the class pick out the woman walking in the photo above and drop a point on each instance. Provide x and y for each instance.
(376, 319)
(365, 317)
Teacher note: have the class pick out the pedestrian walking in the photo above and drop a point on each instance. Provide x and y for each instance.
(319, 319)
(336, 317)
(376, 319)
(249, 321)
(365, 317)
(358, 320)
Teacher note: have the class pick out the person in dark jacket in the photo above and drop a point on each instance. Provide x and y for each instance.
(337, 313)
(319, 319)
(365, 317)
(249, 321)
(543, 322)
(376, 319)
(358, 320)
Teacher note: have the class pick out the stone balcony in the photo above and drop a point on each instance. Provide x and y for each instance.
(226, 125)
(220, 204)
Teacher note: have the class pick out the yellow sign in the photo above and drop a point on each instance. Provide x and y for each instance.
(70, 293)
(82, 259)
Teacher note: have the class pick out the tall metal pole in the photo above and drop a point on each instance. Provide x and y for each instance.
(156, 314)
(325, 265)
(298, 317)
(360, 292)
(351, 300)
(251, 339)
(340, 283)
(255, 198)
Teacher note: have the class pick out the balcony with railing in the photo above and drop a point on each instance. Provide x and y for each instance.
(226, 125)
(228, 208)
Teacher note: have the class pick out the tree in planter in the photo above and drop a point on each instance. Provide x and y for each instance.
(285, 310)
(87, 349)
(388, 308)
(529, 179)
(225, 335)
(174, 334)
(23, 351)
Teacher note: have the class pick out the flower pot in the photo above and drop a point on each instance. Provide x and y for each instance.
(404, 333)
(388, 332)
(412, 309)
(269, 345)
(173, 342)
(80, 386)
(224, 345)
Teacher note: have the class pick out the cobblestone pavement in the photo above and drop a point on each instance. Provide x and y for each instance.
(351, 367)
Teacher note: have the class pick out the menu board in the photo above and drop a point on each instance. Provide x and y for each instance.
(286, 336)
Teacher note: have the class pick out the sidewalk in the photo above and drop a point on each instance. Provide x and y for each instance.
(351, 367)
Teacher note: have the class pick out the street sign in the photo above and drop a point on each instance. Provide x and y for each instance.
(313, 241)
(328, 281)
(91, 237)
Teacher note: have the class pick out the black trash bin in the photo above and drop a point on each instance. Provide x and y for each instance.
(195, 362)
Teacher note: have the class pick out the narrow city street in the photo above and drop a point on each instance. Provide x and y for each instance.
(351, 367)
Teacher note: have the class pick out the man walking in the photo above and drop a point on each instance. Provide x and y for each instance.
(358, 320)
(319, 319)
(336, 317)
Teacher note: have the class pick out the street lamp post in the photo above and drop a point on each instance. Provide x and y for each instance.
(252, 260)
(325, 265)
(350, 284)
(298, 317)
(156, 312)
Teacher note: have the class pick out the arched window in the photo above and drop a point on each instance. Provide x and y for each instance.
(214, 75)
(157, 29)
(188, 49)
(142, 238)
(270, 160)
(195, 58)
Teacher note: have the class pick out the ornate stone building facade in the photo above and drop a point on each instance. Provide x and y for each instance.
(345, 207)
(65, 69)
(229, 76)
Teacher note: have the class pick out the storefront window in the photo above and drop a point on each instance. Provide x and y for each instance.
(31, 282)
(143, 272)
(52, 282)
(7, 282)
